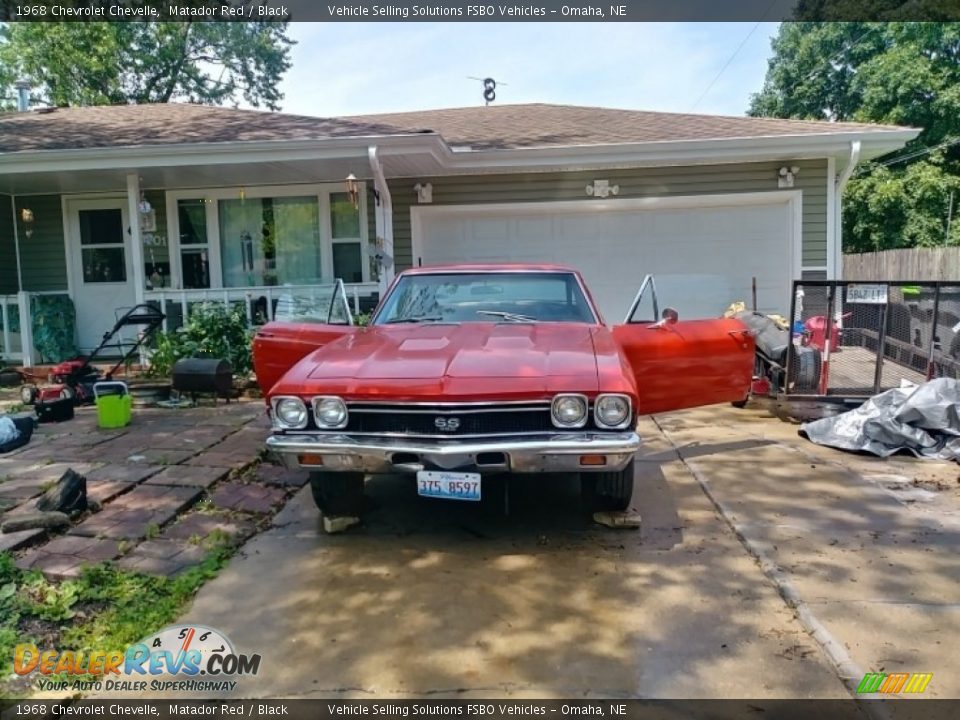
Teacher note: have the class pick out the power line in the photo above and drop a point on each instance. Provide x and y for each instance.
(830, 60)
(909, 156)
(727, 64)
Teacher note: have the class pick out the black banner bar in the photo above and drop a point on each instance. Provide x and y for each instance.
(388, 709)
(459, 11)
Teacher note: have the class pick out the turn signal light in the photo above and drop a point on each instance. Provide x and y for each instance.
(310, 459)
(593, 459)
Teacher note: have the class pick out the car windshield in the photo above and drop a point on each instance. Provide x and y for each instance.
(486, 297)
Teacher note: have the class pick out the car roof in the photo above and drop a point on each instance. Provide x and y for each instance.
(489, 267)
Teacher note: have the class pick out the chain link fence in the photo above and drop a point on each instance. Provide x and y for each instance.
(871, 336)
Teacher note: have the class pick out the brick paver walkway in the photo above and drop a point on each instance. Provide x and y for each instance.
(145, 479)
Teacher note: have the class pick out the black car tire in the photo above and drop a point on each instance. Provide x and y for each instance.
(607, 490)
(337, 493)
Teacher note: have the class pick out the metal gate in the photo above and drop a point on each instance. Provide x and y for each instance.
(871, 336)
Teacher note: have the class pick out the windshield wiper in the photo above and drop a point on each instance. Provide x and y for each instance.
(509, 317)
(414, 319)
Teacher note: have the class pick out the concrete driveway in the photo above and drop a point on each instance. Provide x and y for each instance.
(765, 567)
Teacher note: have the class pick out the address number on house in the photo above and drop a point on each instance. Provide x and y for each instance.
(870, 294)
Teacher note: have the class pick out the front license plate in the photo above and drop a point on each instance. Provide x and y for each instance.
(449, 485)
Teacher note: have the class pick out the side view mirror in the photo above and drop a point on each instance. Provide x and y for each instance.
(669, 316)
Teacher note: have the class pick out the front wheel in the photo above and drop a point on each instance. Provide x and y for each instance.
(607, 490)
(28, 394)
(337, 493)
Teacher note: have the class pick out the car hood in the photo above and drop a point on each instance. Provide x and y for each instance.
(444, 357)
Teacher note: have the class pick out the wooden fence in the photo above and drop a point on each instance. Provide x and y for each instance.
(910, 264)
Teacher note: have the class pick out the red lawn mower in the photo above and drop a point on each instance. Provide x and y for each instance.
(74, 379)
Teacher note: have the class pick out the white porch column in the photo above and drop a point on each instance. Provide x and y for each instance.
(26, 328)
(383, 217)
(136, 242)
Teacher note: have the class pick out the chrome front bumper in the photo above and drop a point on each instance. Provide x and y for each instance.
(532, 454)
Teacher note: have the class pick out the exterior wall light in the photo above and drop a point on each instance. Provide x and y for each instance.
(786, 175)
(26, 217)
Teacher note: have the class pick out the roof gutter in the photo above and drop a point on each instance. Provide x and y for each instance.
(221, 153)
(689, 152)
(434, 149)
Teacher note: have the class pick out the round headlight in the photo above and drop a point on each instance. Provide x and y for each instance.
(569, 411)
(291, 413)
(329, 412)
(612, 411)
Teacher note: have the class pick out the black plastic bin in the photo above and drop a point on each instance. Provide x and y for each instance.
(203, 375)
(55, 410)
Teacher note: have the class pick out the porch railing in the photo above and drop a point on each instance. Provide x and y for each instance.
(16, 327)
(259, 302)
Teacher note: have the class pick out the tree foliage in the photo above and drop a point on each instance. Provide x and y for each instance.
(903, 73)
(102, 63)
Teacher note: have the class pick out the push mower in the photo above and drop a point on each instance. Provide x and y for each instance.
(74, 379)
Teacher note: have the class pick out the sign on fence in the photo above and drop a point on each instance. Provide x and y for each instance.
(876, 294)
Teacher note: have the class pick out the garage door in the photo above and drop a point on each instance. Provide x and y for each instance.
(703, 258)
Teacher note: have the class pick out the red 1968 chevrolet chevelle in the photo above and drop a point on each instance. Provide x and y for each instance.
(471, 370)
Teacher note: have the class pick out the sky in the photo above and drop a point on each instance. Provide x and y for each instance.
(358, 68)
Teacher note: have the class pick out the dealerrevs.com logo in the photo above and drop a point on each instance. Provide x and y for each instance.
(188, 657)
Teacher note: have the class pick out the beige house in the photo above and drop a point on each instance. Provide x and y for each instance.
(113, 206)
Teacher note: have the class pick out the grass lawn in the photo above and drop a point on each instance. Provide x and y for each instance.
(105, 609)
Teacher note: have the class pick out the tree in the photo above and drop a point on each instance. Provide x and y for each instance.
(86, 63)
(904, 73)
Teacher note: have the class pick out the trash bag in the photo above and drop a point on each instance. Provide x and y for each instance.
(923, 419)
(23, 425)
(8, 431)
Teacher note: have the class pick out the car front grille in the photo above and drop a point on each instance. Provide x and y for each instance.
(449, 420)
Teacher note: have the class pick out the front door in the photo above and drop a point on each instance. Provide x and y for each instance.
(681, 363)
(100, 266)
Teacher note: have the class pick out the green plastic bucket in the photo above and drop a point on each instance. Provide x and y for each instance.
(114, 406)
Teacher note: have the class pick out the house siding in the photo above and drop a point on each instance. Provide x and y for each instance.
(634, 183)
(42, 256)
(8, 249)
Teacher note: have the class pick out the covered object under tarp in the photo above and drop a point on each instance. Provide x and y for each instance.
(923, 419)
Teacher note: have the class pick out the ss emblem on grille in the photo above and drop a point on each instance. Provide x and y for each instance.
(446, 424)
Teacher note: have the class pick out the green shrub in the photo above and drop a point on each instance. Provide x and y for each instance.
(363, 319)
(54, 326)
(211, 330)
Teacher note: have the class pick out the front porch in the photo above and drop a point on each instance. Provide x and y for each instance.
(233, 232)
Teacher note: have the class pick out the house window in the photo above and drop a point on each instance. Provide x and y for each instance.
(102, 246)
(346, 238)
(194, 244)
(269, 241)
(268, 236)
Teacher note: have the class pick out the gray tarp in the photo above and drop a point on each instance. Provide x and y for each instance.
(924, 419)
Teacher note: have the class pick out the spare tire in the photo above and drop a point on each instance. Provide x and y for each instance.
(805, 368)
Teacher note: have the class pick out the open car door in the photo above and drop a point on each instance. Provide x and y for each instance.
(303, 320)
(684, 363)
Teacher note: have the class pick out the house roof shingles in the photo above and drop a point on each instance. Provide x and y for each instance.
(500, 127)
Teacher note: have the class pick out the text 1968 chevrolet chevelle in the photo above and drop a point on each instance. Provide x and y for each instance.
(472, 370)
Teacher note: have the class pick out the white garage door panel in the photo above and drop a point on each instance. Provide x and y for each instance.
(703, 258)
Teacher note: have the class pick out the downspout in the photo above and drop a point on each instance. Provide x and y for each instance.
(841, 183)
(383, 218)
